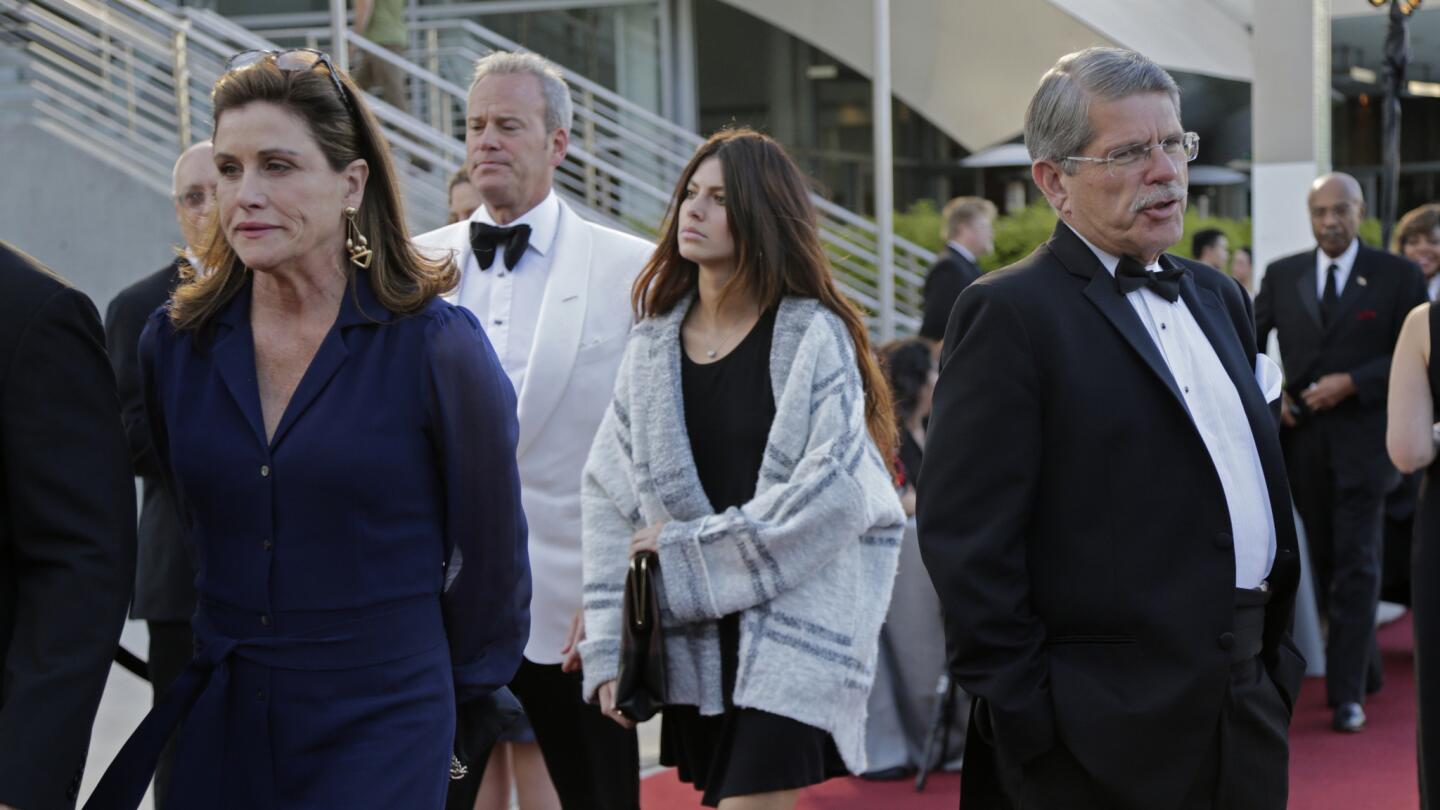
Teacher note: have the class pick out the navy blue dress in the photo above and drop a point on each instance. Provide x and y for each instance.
(358, 574)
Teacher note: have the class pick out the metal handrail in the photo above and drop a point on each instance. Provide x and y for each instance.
(135, 78)
(649, 148)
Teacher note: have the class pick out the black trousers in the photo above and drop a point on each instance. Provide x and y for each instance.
(594, 763)
(1344, 524)
(1246, 764)
(171, 648)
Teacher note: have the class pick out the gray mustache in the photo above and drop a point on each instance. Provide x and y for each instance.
(1169, 192)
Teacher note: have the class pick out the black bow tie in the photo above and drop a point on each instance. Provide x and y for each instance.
(485, 238)
(1130, 276)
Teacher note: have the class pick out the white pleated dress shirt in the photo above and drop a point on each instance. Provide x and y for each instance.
(1219, 416)
(507, 302)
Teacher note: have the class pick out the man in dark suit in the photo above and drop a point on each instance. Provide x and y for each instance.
(969, 235)
(67, 532)
(1338, 310)
(1103, 505)
(164, 574)
(1211, 246)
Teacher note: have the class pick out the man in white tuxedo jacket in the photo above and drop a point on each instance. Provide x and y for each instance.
(553, 294)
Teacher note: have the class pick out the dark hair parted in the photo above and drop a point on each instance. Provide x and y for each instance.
(777, 253)
(403, 279)
(908, 363)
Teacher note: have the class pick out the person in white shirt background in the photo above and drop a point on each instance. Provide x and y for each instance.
(552, 293)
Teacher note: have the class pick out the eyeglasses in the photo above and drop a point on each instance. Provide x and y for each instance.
(1129, 160)
(293, 59)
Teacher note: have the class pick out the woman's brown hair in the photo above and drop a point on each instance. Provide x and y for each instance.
(1417, 222)
(402, 278)
(777, 253)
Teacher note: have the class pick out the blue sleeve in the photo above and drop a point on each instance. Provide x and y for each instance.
(473, 425)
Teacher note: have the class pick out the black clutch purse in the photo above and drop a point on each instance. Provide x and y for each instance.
(640, 692)
(478, 726)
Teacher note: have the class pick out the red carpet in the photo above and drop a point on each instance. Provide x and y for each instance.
(1374, 770)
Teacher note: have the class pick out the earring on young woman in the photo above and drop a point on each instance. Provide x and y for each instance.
(355, 242)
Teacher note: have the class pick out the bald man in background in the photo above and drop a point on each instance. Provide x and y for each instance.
(1337, 309)
(165, 574)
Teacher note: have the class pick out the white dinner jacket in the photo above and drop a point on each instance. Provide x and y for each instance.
(569, 380)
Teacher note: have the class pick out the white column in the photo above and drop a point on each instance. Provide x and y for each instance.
(1291, 44)
(339, 45)
(884, 172)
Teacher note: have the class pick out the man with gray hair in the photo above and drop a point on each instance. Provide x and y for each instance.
(1103, 504)
(552, 292)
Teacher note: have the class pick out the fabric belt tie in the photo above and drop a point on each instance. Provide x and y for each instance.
(333, 640)
(1249, 624)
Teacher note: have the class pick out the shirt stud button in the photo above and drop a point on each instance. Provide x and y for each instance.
(264, 470)
(265, 619)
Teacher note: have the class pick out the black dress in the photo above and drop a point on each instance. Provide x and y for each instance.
(1425, 592)
(729, 406)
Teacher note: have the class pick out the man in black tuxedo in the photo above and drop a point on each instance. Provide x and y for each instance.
(164, 574)
(1338, 310)
(1103, 505)
(969, 235)
(67, 532)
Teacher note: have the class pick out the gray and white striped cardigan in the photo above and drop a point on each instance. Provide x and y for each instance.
(808, 563)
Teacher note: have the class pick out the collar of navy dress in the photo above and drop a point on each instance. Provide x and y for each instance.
(234, 352)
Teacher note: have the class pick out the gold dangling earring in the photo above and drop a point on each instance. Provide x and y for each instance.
(355, 242)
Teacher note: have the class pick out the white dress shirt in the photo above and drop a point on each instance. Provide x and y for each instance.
(1219, 416)
(1344, 263)
(963, 251)
(507, 302)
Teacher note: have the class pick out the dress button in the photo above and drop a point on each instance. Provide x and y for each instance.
(1222, 540)
(265, 619)
(1226, 641)
(259, 694)
(264, 470)
(268, 545)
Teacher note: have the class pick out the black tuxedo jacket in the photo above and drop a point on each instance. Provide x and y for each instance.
(67, 531)
(1076, 529)
(164, 572)
(949, 277)
(1360, 340)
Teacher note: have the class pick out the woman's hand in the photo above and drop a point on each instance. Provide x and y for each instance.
(570, 660)
(607, 705)
(647, 539)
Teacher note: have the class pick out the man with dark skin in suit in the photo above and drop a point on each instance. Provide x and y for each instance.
(1338, 309)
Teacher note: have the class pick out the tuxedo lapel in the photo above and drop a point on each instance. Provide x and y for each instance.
(559, 328)
(1309, 301)
(459, 246)
(1079, 260)
(1357, 289)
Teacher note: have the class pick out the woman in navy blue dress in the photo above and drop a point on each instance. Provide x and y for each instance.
(342, 444)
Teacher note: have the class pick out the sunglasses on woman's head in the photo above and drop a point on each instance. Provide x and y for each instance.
(293, 59)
